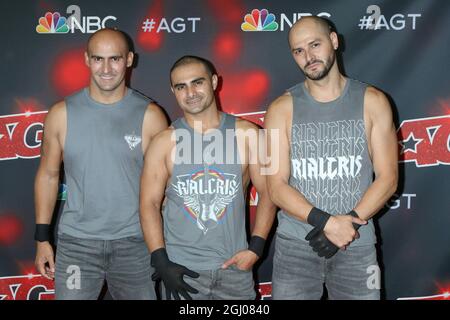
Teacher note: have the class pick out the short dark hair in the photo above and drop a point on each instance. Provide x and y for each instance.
(184, 60)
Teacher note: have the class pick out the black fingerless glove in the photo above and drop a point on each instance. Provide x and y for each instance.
(320, 243)
(172, 275)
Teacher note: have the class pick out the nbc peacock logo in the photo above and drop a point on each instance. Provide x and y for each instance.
(259, 20)
(52, 23)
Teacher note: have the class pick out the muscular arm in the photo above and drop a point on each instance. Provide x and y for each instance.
(248, 140)
(47, 177)
(154, 176)
(156, 173)
(383, 148)
(265, 211)
(153, 182)
(278, 123)
(47, 180)
(154, 122)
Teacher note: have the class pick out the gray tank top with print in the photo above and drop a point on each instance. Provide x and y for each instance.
(103, 160)
(204, 210)
(330, 162)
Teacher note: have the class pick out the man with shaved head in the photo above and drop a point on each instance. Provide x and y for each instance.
(101, 133)
(335, 134)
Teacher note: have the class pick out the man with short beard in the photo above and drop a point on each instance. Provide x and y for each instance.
(101, 133)
(334, 133)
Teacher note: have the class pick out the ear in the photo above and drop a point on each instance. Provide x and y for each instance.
(215, 81)
(86, 59)
(130, 58)
(334, 40)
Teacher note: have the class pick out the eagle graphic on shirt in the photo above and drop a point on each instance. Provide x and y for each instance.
(206, 195)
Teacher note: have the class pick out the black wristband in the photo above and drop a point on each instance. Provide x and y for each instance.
(42, 232)
(318, 218)
(257, 245)
(159, 257)
(355, 214)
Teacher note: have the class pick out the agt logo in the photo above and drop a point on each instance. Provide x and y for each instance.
(54, 23)
(378, 21)
(265, 290)
(21, 135)
(262, 20)
(31, 287)
(176, 25)
(401, 201)
(425, 141)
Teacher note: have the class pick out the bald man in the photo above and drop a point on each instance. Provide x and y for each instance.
(334, 134)
(101, 133)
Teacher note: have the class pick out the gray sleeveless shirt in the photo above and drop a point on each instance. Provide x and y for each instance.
(103, 160)
(204, 211)
(330, 162)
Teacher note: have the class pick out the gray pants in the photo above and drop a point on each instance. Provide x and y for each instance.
(221, 284)
(83, 265)
(299, 273)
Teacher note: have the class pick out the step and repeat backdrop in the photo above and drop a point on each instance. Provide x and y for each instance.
(401, 47)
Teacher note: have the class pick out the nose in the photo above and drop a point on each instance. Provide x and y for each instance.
(308, 56)
(190, 91)
(106, 66)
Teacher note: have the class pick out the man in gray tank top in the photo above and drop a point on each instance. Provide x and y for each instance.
(203, 165)
(101, 133)
(334, 134)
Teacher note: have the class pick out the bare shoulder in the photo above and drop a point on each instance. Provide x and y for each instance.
(164, 139)
(376, 102)
(246, 125)
(58, 109)
(155, 114)
(56, 115)
(281, 106)
(154, 120)
(154, 109)
(279, 111)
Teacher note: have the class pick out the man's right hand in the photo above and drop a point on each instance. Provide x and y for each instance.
(45, 261)
(340, 231)
(172, 275)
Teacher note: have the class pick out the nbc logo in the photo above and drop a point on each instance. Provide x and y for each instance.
(52, 23)
(259, 20)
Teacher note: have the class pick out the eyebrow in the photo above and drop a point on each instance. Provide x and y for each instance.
(310, 42)
(195, 80)
(183, 83)
(110, 57)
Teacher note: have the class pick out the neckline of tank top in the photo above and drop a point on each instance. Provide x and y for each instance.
(328, 104)
(223, 115)
(106, 106)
